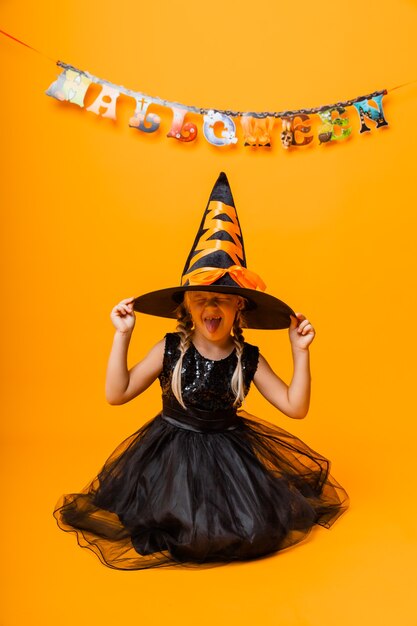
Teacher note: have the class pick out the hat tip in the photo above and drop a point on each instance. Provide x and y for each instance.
(221, 190)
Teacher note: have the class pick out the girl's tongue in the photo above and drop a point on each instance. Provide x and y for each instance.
(212, 324)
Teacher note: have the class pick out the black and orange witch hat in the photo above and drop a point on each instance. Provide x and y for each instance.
(217, 262)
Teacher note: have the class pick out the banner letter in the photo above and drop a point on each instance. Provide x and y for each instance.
(326, 130)
(228, 134)
(289, 129)
(141, 116)
(179, 130)
(257, 130)
(366, 110)
(70, 86)
(106, 99)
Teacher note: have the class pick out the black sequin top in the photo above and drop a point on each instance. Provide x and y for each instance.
(205, 382)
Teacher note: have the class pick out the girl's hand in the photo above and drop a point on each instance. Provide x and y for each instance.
(301, 332)
(123, 316)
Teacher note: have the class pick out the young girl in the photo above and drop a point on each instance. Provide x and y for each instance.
(203, 481)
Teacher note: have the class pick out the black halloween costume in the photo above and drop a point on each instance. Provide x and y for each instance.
(207, 484)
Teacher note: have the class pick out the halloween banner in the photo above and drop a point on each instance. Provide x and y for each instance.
(258, 128)
(323, 125)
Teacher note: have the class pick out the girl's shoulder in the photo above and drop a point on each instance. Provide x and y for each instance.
(171, 349)
(250, 359)
(251, 348)
(172, 341)
(171, 354)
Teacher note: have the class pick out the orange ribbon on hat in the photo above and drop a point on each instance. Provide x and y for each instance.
(241, 275)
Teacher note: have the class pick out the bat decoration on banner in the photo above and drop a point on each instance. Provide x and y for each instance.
(219, 127)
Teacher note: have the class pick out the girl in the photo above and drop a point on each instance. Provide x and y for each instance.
(204, 482)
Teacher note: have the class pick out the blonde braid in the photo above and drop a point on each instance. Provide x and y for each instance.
(237, 383)
(184, 328)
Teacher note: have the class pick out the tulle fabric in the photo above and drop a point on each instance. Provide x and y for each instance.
(171, 496)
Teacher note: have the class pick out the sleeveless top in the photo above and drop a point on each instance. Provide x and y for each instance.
(206, 383)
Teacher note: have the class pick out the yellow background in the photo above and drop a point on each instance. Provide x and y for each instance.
(94, 211)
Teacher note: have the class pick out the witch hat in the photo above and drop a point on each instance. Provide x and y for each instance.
(217, 262)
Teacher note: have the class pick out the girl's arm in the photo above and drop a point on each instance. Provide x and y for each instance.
(122, 384)
(292, 400)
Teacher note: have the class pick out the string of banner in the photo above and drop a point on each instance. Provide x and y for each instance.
(219, 127)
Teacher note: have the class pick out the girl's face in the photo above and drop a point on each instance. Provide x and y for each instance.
(213, 313)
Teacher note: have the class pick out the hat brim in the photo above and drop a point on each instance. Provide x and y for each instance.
(262, 312)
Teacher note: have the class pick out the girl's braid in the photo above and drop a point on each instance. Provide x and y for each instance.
(184, 327)
(237, 383)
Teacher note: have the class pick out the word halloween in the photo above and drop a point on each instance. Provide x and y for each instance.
(219, 127)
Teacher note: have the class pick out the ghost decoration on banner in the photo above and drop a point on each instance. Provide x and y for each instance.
(141, 115)
(70, 86)
(366, 110)
(228, 135)
(257, 130)
(179, 130)
(326, 130)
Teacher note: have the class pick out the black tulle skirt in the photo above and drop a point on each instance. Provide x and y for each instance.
(173, 494)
